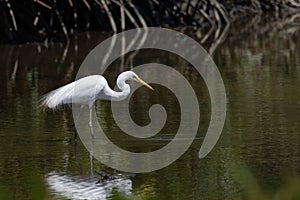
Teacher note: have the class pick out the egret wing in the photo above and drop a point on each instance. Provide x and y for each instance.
(84, 91)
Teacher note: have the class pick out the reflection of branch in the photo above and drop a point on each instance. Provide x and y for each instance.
(13, 75)
(258, 29)
(258, 25)
(69, 72)
(206, 36)
(219, 40)
(65, 52)
(132, 42)
(111, 46)
(141, 42)
(64, 55)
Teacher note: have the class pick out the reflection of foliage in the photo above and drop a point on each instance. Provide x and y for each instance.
(262, 41)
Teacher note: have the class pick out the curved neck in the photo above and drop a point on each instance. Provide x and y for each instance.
(118, 96)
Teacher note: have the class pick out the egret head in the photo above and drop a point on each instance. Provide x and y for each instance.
(130, 75)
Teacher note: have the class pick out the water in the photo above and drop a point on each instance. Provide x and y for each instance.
(261, 72)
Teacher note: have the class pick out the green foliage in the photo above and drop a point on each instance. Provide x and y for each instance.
(251, 190)
(249, 185)
(37, 189)
(4, 194)
(115, 195)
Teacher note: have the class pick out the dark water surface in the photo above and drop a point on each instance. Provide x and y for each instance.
(258, 152)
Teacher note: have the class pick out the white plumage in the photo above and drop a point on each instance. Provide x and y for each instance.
(87, 90)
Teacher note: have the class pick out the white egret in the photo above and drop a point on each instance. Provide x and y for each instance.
(88, 90)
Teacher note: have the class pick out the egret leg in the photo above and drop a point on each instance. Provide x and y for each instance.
(91, 158)
(92, 141)
(76, 153)
(75, 130)
(91, 124)
(75, 134)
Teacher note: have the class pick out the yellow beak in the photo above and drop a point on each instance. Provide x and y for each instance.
(144, 83)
